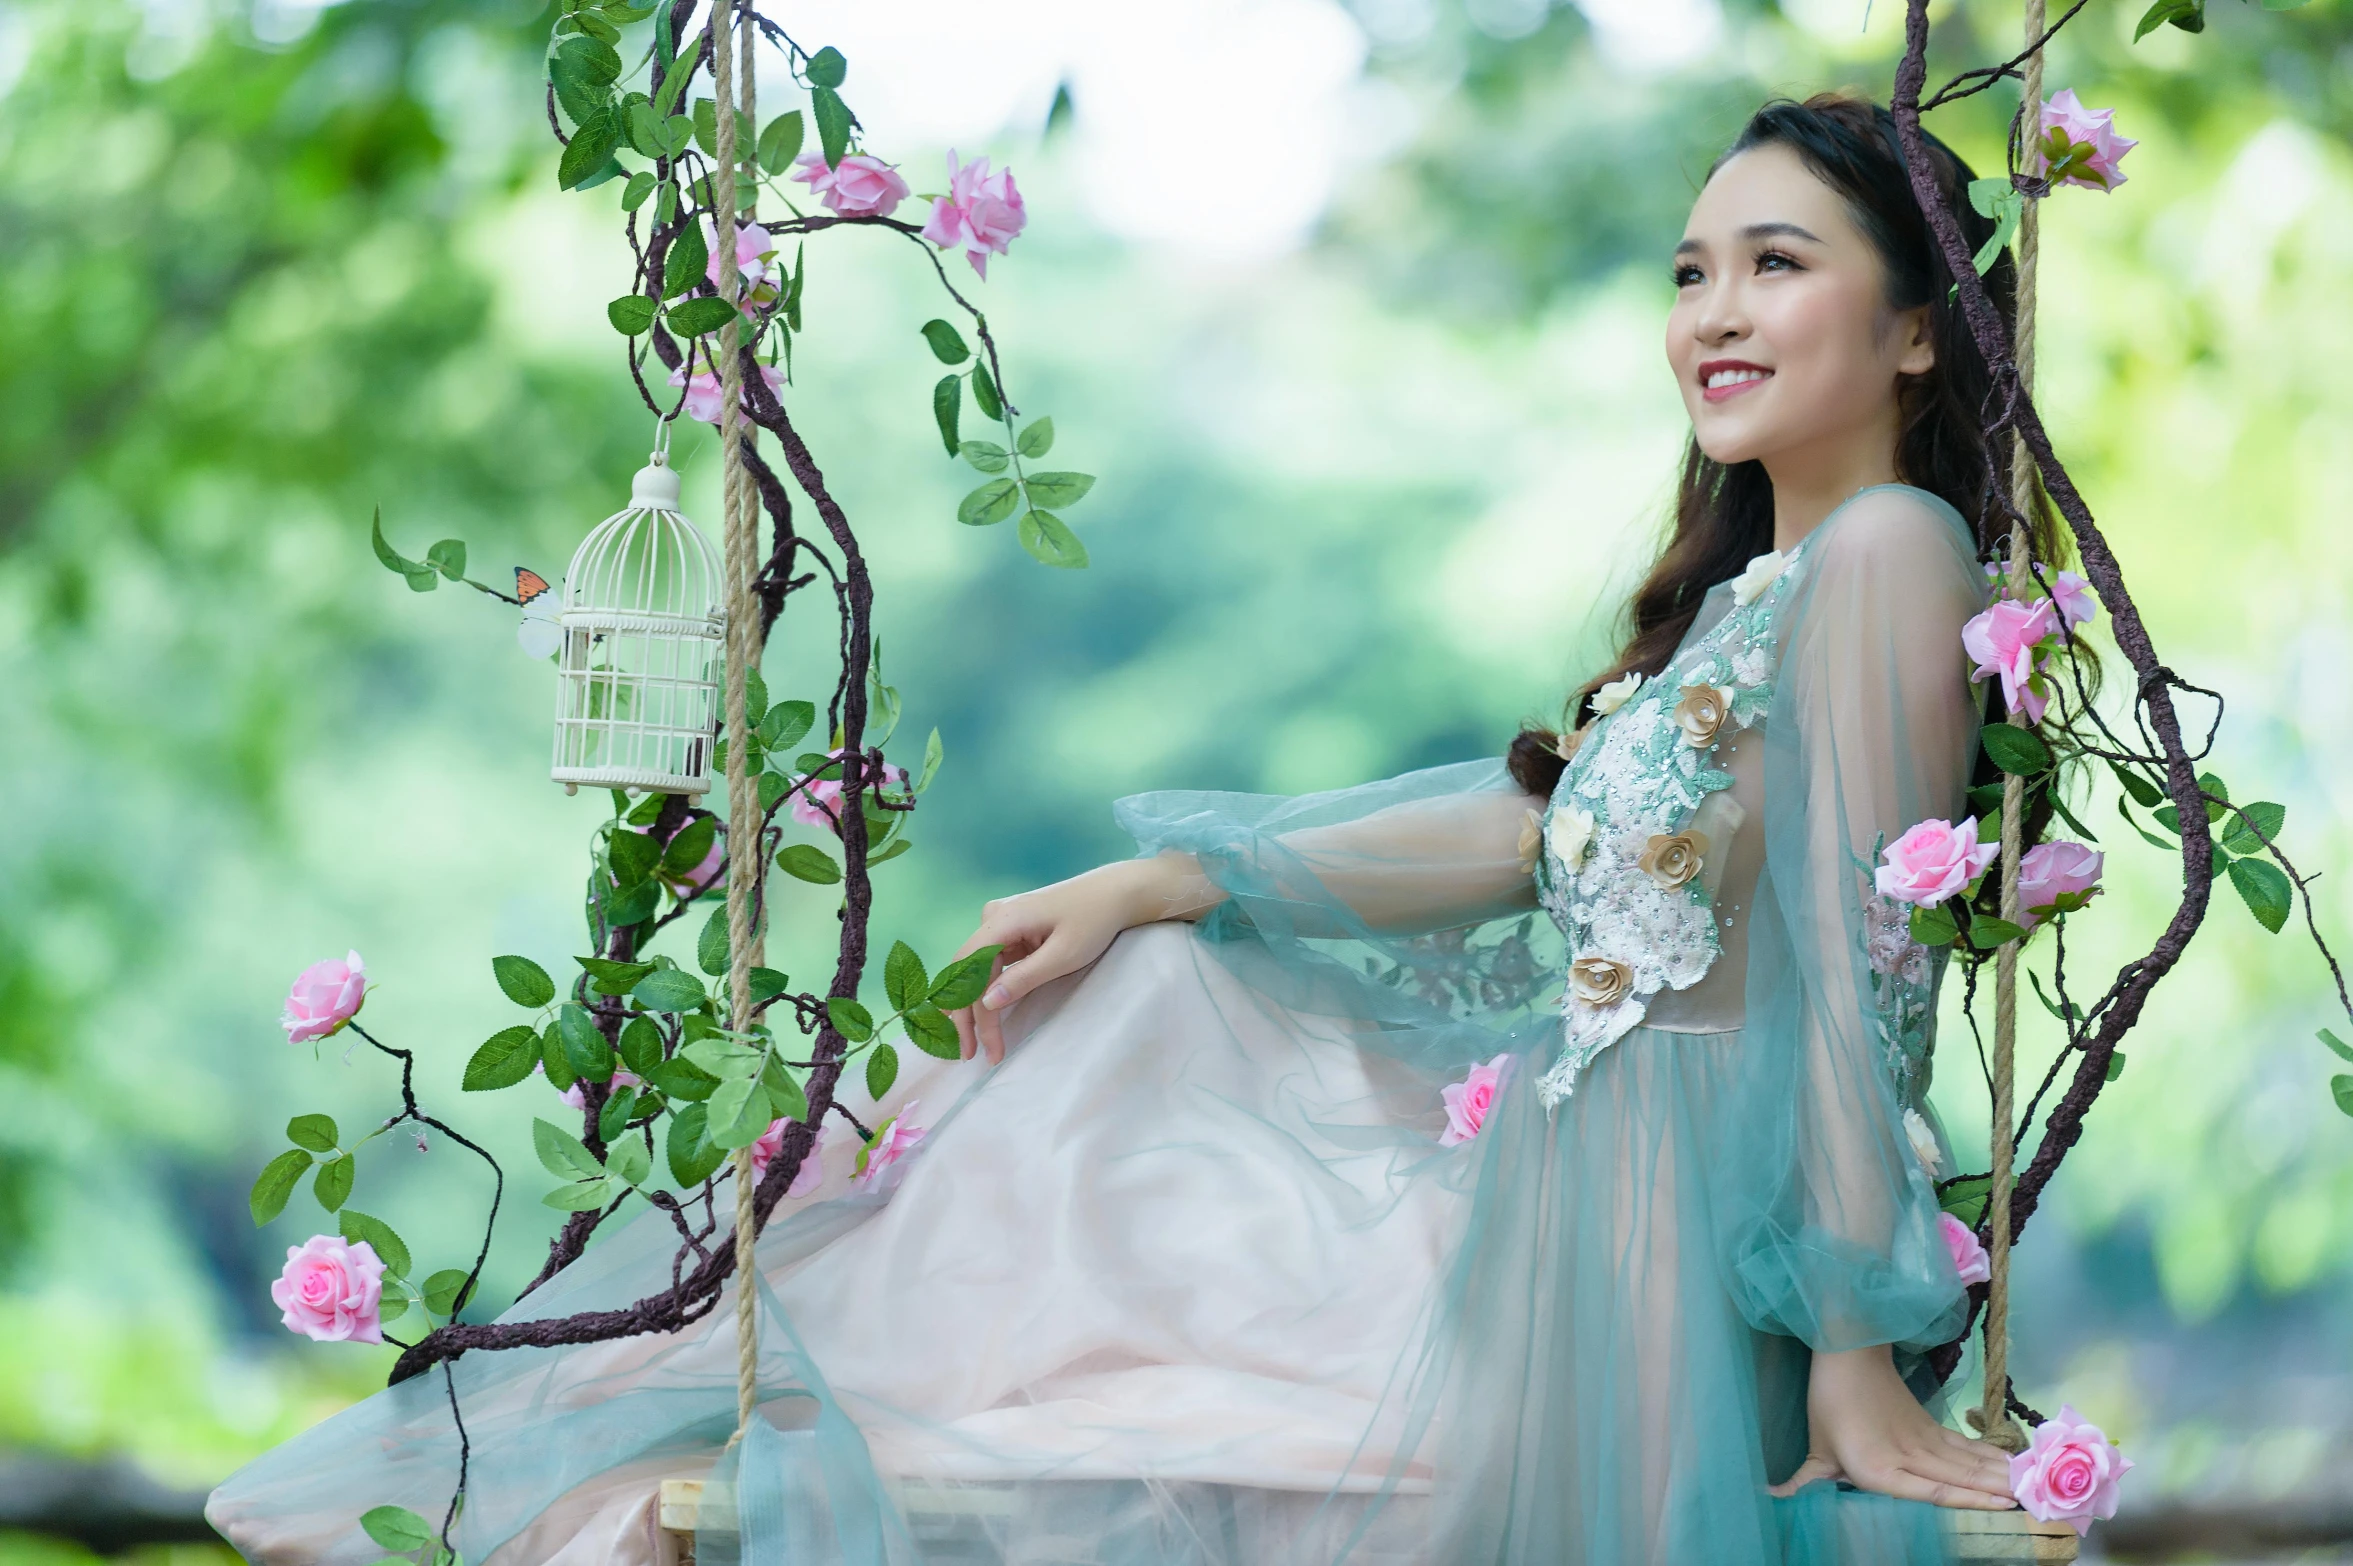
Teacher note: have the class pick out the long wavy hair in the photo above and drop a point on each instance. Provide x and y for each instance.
(1724, 513)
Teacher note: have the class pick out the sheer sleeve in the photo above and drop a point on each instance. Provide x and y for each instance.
(1832, 1230)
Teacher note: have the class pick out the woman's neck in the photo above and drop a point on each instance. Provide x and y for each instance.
(1810, 484)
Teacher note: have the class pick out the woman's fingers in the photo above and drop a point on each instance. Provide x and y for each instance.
(1811, 1469)
(966, 1040)
(988, 1024)
(1987, 1467)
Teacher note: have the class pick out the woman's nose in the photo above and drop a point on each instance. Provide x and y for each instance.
(1721, 318)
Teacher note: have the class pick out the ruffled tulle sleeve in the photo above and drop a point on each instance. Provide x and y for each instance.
(1831, 1219)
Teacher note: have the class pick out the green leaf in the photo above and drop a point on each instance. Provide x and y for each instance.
(2051, 1005)
(780, 143)
(2188, 15)
(391, 1308)
(384, 552)
(786, 723)
(614, 978)
(710, 950)
(684, 266)
(276, 1183)
(635, 905)
(1050, 540)
(767, 983)
(316, 1132)
(669, 989)
(882, 1069)
(631, 313)
(593, 145)
(1965, 1198)
(633, 855)
(585, 1049)
(629, 1162)
(851, 1020)
(933, 1032)
(961, 982)
(2145, 793)
(390, 1249)
(737, 1114)
(2019, 752)
(1934, 926)
(947, 410)
(890, 851)
(785, 1097)
(2341, 1087)
(2115, 1066)
(681, 1079)
(903, 978)
(397, 1528)
(991, 503)
(446, 1292)
(580, 1196)
(1037, 439)
(523, 981)
(2343, 1050)
(2268, 893)
(808, 862)
(1049, 490)
(333, 1185)
(827, 68)
(449, 558)
(562, 1154)
(2210, 785)
(692, 1157)
(595, 26)
(985, 455)
(932, 756)
(560, 1074)
(692, 844)
(504, 1059)
(699, 317)
(2008, 208)
(2262, 817)
(1986, 934)
(641, 1046)
(833, 124)
(947, 345)
(724, 1059)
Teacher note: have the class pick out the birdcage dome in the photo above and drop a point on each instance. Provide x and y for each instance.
(638, 673)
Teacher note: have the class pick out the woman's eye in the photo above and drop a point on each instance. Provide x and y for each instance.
(1778, 261)
(1686, 275)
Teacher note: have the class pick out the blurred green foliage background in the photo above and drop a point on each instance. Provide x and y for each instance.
(1366, 503)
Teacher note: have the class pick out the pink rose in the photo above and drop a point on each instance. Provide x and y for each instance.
(703, 392)
(981, 213)
(820, 803)
(1932, 861)
(2078, 146)
(897, 1137)
(326, 995)
(2006, 640)
(755, 265)
(331, 1290)
(859, 186)
(2072, 592)
(1468, 1101)
(622, 1077)
(1968, 1256)
(2068, 1472)
(809, 1176)
(2050, 871)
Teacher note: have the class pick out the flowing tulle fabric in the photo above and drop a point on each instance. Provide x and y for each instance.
(1193, 1277)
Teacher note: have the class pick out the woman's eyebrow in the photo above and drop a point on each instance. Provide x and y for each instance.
(1757, 231)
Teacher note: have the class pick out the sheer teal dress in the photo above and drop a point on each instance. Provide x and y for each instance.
(1204, 1273)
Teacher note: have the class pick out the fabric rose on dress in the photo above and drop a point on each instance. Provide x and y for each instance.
(1922, 1136)
(2071, 591)
(2006, 640)
(2068, 1472)
(820, 803)
(331, 1290)
(703, 392)
(1600, 981)
(805, 1179)
(1571, 833)
(1672, 858)
(1565, 747)
(1758, 576)
(1702, 712)
(1932, 861)
(2078, 146)
(622, 1077)
(755, 266)
(1960, 1242)
(1616, 693)
(893, 1140)
(326, 995)
(2051, 872)
(980, 215)
(1468, 1101)
(1531, 840)
(858, 186)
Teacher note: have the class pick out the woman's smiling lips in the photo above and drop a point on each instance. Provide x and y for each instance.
(1722, 378)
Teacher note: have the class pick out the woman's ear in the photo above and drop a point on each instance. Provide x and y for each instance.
(1919, 343)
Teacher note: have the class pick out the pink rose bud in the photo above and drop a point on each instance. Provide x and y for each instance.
(326, 995)
(755, 265)
(2048, 872)
(1932, 861)
(820, 803)
(805, 1179)
(622, 1077)
(898, 1137)
(1468, 1101)
(2072, 592)
(703, 392)
(2078, 146)
(980, 215)
(2007, 640)
(858, 186)
(2068, 1473)
(1960, 1240)
(331, 1290)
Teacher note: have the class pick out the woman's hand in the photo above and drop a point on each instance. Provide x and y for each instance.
(1061, 928)
(1865, 1427)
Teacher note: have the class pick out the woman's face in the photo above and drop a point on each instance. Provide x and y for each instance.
(1781, 336)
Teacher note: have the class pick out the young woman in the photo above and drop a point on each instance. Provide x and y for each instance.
(1318, 1230)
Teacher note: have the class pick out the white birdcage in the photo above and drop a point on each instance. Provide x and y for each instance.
(637, 679)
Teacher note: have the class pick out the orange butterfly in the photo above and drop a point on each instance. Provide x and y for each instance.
(539, 634)
(529, 584)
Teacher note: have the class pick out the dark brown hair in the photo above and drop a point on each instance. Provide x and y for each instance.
(1724, 514)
